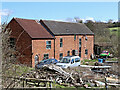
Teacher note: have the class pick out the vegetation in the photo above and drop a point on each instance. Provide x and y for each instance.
(20, 70)
(89, 62)
(92, 62)
(106, 34)
(112, 59)
(11, 67)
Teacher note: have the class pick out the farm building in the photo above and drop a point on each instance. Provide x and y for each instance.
(50, 39)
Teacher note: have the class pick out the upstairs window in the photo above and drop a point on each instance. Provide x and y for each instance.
(86, 38)
(48, 44)
(80, 42)
(86, 51)
(74, 37)
(61, 42)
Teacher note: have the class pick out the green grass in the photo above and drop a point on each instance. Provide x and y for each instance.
(112, 59)
(90, 62)
(61, 86)
(113, 28)
(23, 69)
(114, 32)
(17, 70)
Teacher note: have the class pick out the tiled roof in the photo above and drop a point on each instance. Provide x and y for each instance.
(33, 28)
(65, 28)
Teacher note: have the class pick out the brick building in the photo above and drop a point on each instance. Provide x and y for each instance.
(38, 40)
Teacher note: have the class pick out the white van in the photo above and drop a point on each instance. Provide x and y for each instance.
(69, 61)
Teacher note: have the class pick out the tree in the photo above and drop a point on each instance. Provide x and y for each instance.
(103, 35)
(8, 57)
(78, 20)
(10, 64)
(91, 25)
(110, 21)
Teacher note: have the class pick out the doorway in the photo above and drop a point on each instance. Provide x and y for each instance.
(73, 52)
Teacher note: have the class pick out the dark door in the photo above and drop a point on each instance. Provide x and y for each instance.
(73, 52)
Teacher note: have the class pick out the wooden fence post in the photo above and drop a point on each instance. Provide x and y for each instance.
(106, 83)
(51, 82)
(23, 82)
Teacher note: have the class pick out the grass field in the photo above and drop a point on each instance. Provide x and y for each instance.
(114, 30)
(90, 62)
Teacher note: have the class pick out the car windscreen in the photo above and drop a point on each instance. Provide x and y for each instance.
(65, 60)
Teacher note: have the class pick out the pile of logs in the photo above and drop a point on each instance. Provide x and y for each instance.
(67, 77)
(59, 75)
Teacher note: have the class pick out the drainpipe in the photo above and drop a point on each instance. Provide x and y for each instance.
(54, 47)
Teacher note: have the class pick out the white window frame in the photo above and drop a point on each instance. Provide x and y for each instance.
(48, 44)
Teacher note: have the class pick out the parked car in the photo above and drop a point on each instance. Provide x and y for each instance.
(69, 61)
(105, 54)
(45, 62)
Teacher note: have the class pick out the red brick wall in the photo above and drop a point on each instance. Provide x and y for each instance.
(23, 42)
(70, 44)
(39, 48)
(89, 44)
(29, 48)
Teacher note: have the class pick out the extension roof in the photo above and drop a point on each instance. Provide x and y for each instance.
(66, 28)
(33, 28)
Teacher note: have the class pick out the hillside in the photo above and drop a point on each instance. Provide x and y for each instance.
(114, 30)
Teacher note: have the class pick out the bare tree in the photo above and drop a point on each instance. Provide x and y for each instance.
(8, 57)
(0, 59)
(11, 66)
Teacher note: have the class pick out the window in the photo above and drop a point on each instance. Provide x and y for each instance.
(65, 60)
(48, 44)
(61, 56)
(61, 42)
(46, 56)
(79, 42)
(75, 37)
(77, 59)
(86, 38)
(86, 51)
(36, 59)
(12, 42)
(68, 53)
(72, 61)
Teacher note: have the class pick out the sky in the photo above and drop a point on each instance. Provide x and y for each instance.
(62, 11)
